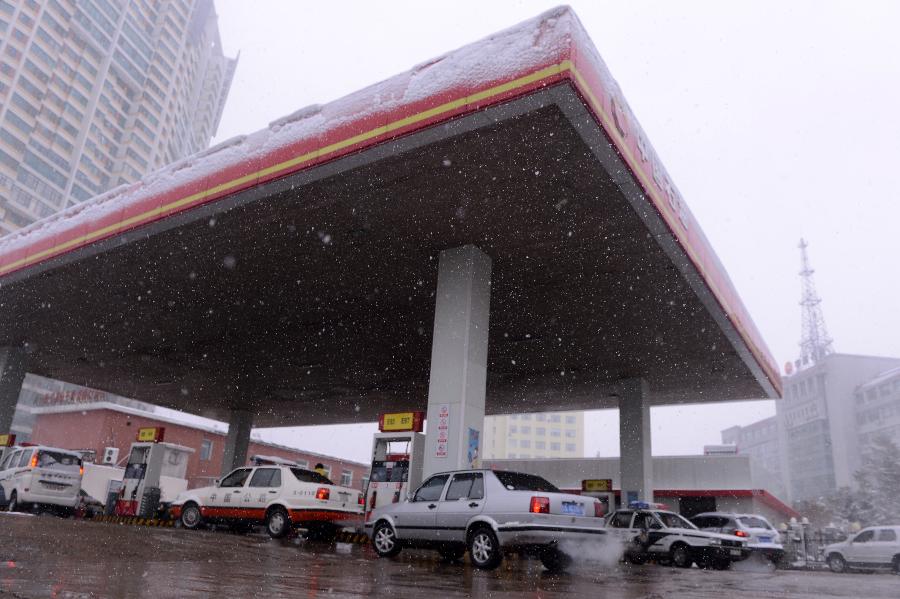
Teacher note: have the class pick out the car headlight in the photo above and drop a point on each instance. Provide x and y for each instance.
(715, 541)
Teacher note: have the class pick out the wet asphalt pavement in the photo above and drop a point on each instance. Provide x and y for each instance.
(44, 556)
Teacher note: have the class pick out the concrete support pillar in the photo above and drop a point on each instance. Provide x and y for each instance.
(456, 389)
(636, 462)
(238, 440)
(12, 373)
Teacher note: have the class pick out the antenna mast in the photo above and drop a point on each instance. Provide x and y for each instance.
(815, 343)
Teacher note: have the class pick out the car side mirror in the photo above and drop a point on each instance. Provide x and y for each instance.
(217, 481)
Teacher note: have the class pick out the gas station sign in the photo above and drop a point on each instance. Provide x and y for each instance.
(7, 440)
(152, 434)
(401, 421)
(597, 485)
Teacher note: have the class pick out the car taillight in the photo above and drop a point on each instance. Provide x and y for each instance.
(540, 505)
(361, 500)
(741, 533)
(323, 493)
(33, 462)
(372, 500)
(81, 470)
(598, 510)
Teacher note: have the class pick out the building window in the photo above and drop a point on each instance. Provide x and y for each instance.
(540, 417)
(206, 447)
(346, 478)
(554, 447)
(555, 432)
(570, 447)
(540, 445)
(365, 481)
(570, 434)
(555, 418)
(303, 464)
(511, 455)
(526, 430)
(540, 431)
(526, 416)
(570, 419)
(525, 444)
(513, 429)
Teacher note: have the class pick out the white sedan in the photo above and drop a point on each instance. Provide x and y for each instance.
(281, 497)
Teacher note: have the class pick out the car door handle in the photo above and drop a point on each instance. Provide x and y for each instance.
(473, 504)
(273, 492)
(236, 491)
(431, 506)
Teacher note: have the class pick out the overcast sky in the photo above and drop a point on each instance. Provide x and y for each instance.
(776, 120)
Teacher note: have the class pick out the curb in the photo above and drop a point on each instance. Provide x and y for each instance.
(134, 521)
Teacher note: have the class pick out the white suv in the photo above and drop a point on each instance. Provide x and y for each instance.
(40, 475)
(876, 547)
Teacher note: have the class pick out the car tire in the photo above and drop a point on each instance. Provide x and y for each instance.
(451, 553)
(555, 560)
(681, 556)
(13, 505)
(191, 518)
(384, 540)
(484, 548)
(278, 522)
(720, 564)
(896, 564)
(837, 563)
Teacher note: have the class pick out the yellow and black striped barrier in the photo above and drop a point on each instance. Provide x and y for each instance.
(357, 538)
(134, 521)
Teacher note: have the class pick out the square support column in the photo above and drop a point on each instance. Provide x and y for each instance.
(12, 373)
(456, 388)
(636, 460)
(240, 422)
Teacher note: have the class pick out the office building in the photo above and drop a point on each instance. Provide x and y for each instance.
(96, 93)
(544, 435)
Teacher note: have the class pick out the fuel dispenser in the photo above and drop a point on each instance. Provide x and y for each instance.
(602, 489)
(149, 463)
(398, 455)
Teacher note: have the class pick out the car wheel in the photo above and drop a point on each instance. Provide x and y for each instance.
(384, 540)
(555, 560)
(190, 516)
(278, 523)
(837, 563)
(896, 567)
(13, 505)
(720, 564)
(681, 557)
(484, 548)
(452, 553)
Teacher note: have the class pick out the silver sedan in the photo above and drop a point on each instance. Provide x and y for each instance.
(488, 512)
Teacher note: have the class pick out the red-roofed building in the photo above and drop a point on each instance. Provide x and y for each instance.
(97, 426)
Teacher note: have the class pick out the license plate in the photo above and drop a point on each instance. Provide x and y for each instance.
(572, 508)
(765, 539)
(735, 552)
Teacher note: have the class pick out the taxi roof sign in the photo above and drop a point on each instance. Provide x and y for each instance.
(401, 421)
(152, 434)
(7, 440)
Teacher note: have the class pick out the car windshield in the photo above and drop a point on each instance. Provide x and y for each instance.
(754, 522)
(308, 476)
(672, 520)
(517, 481)
(55, 460)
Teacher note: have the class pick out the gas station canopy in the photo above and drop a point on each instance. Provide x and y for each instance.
(293, 271)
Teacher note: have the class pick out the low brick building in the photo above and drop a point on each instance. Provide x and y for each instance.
(100, 425)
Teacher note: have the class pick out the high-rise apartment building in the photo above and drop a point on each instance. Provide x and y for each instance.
(542, 435)
(97, 93)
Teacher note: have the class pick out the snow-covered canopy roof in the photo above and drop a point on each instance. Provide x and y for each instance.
(521, 143)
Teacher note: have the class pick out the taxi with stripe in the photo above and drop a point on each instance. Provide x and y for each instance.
(281, 497)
